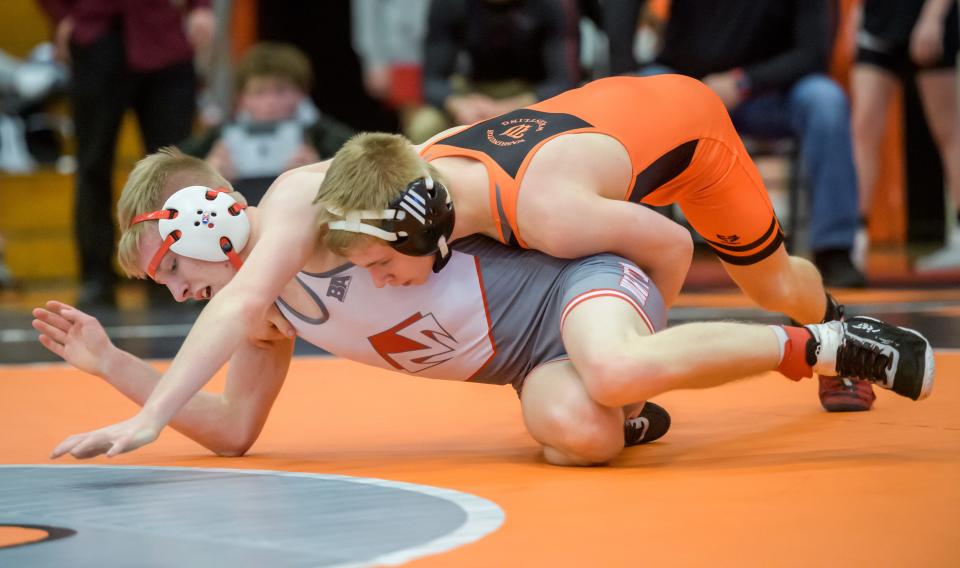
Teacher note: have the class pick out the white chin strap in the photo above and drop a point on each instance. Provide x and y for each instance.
(353, 221)
(412, 204)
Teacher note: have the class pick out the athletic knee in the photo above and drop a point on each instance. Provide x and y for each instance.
(611, 376)
(783, 289)
(582, 449)
(580, 436)
(555, 456)
(771, 294)
(774, 294)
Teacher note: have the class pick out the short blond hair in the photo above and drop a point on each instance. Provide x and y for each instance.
(154, 179)
(368, 172)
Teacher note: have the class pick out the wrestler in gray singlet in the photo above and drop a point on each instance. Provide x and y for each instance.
(492, 315)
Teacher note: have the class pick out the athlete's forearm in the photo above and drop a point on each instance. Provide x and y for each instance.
(287, 238)
(670, 272)
(229, 318)
(665, 253)
(221, 327)
(207, 418)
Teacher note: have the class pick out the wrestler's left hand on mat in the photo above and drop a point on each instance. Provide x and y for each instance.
(113, 440)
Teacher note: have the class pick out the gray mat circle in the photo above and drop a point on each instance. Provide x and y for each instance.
(173, 516)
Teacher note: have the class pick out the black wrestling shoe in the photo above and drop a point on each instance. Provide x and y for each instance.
(651, 425)
(895, 358)
(842, 394)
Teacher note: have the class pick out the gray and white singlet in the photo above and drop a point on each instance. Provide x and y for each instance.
(491, 315)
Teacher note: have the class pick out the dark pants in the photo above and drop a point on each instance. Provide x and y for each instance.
(102, 89)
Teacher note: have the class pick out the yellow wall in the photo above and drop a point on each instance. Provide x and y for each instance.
(22, 26)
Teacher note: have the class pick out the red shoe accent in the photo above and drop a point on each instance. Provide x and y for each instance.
(839, 394)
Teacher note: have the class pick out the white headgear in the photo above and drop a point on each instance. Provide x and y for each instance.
(202, 223)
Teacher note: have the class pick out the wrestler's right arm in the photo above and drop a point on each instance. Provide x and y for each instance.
(287, 237)
(226, 423)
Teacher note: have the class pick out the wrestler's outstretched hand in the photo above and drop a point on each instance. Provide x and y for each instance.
(113, 440)
(76, 337)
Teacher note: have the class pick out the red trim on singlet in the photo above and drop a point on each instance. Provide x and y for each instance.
(486, 312)
(580, 298)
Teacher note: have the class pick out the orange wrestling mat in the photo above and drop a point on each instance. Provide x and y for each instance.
(754, 473)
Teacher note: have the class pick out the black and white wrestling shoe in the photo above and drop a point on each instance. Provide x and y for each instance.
(891, 357)
(651, 425)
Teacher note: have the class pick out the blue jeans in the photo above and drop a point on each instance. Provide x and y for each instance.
(816, 112)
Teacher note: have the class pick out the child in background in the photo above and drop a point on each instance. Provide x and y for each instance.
(275, 127)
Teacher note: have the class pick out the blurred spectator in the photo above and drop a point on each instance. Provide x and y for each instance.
(123, 55)
(276, 127)
(899, 40)
(766, 60)
(322, 32)
(28, 134)
(619, 20)
(388, 36)
(488, 57)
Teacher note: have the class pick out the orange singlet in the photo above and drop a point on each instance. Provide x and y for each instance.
(682, 147)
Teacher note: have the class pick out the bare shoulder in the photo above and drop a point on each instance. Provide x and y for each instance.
(293, 190)
(592, 161)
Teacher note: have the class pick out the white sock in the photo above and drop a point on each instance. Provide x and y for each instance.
(782, 341)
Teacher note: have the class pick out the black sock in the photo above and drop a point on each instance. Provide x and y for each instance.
(834, 311)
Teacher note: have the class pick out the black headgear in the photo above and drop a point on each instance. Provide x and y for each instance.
(417, 223)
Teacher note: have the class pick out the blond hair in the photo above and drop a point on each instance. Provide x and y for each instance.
(368, 172)
(152, 181)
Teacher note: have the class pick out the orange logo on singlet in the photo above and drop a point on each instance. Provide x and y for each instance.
(516, 132)
(516, 129)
